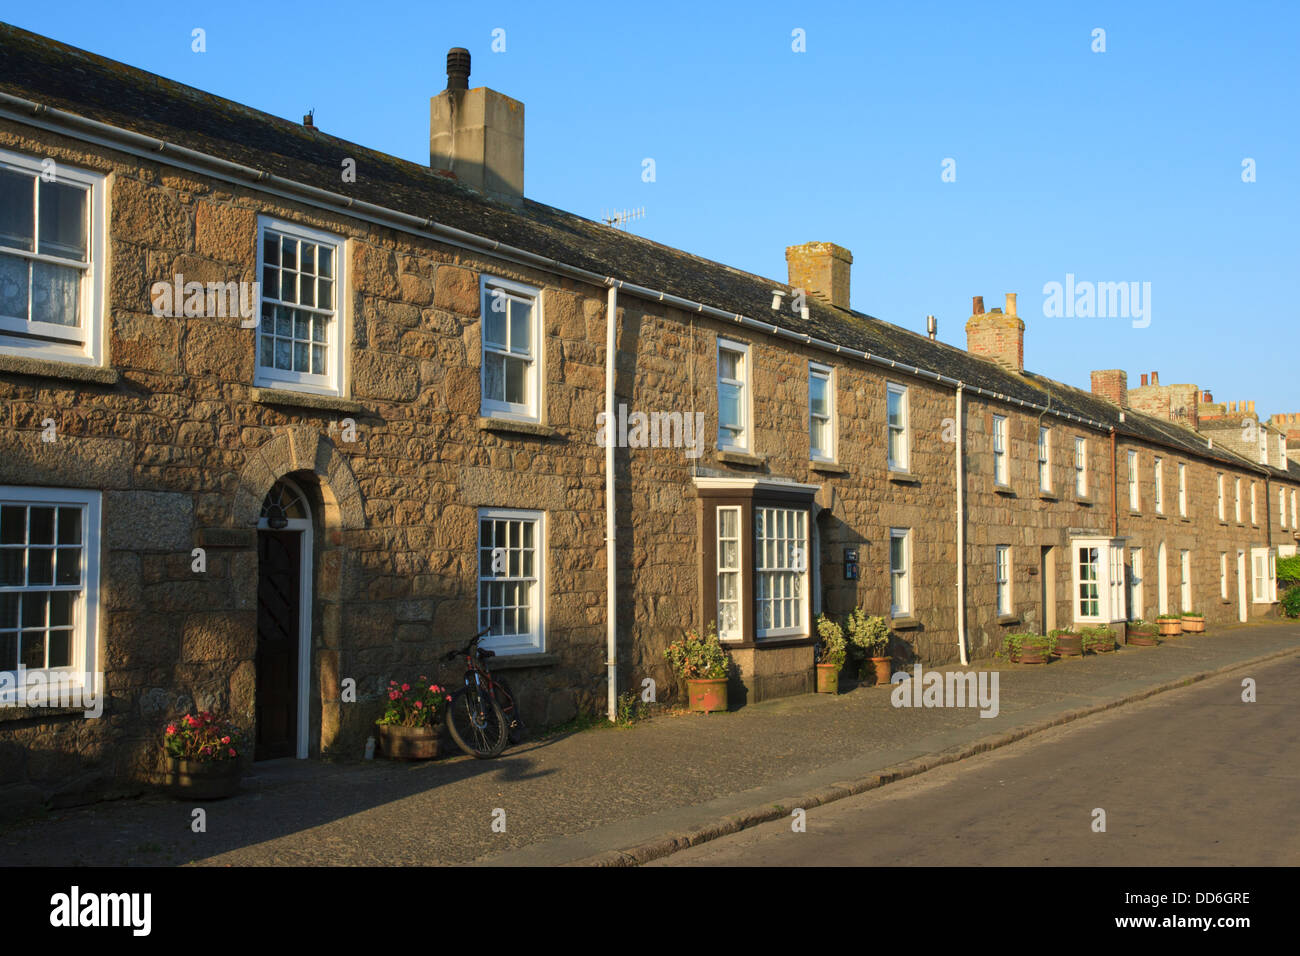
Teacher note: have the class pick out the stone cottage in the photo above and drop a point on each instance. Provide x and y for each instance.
(287, 418)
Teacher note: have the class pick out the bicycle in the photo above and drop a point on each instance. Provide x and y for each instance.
(483, 716)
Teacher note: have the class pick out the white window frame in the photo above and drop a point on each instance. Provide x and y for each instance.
(1104, 557)
(904, 430)
(1044, 459)
(1001, 470)
(903, 575)
(1254, 508)
(790, 566)
(1158, 475)
(1223, 513)
(1182, 489)
(1002, 576)
(1263, 576)
(86, 348)
(79, 676)
(1295, 524)
(534, 641)
(531, 409)
(1134, 496)
(1236, 485)
(739, 572)
(745, 383)
(1185, 582)
(337, 333)
(1135, 584)
(1223, 575)
(1281, 505)
(1080, 467)
(827, 374)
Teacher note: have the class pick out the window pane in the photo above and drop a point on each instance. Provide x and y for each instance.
(516, 380)
(33, 649)
(13, 524)
(8, 612)
(61, 608)
(729, 406)
(11, 567)
(13, 286)
(728, 364)
(56, 294)
(41, 526)
(521, 328)
(8, 652)
(60, 649)
(63, 220)
(494, 330)
(820, 434)
(817, 395)
(69, 566)
(40, 566)
(325, 262)
(895, 409)
(69, 526)
(17, 207)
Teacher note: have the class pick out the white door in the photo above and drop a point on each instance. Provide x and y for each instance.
(1162, 581)
(1241, 585)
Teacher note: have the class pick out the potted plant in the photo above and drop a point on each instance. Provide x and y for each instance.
(870, 634)
(203, 752)
(1029, 648)
(409, 728)
(1068, 643)
(1171, 625)
(703, 663)
(1193, 622)
(831, 651)
(1098, 640)
(1142, 634)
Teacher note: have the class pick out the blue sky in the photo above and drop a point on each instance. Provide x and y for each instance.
(1122, 166)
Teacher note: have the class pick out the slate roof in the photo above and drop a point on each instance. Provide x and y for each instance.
(57, 75)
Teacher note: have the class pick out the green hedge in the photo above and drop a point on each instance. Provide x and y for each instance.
(1288, 570)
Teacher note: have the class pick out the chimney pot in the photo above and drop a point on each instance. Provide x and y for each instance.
(977, 305)
(1251, 406)
(1144, 378)
(458, 68)
(1155, 378)
(307, 120)
(931, 326)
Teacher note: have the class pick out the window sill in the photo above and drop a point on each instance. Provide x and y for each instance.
(1084, 502)
(13, 712)
(904, 477)
(827, 467)
(506, 662)
(1004, 491)
(905, 623)
(1134, 514)
(49, 368)
(285, 396)
(1161, 517)
(741, 458)
(1185, 520)
(510, 426)
(1048, 496)
(1008, 618)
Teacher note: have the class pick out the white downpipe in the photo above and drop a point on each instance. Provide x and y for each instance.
(961, 533)
(611, 594)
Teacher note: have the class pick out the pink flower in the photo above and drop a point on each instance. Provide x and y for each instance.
(449, 698)
(418, 705)
(232, 749)
(191, 721)
(393, 695)
(406, 687)
(171, 729)
(225, 740)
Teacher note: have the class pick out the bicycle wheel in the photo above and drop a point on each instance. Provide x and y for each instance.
(510, 707)
(476, 723)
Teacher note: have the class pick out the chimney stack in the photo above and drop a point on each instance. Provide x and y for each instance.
(1112, 385)
(997, 335)
(477, 135)
(931, 327)
(821, 269)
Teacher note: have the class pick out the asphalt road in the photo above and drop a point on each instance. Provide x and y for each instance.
(1192, 777)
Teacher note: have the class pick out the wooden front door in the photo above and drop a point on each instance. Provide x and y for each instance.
(279, 567)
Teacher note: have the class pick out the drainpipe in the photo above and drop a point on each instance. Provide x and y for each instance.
(961, 533)
(611, 610)
(1114, 493)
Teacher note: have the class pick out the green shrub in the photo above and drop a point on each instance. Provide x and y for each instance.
(832, 648)
(1291, 602)
(1016, 643)
(695, 658)
(869, 632)
(1288, 570)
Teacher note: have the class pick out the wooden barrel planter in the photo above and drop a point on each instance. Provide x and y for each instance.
(707, 695)
(1069, 645)
(203, 780)
(408, 743)
(1143, 638)
(1170, 627)
(828, 679)
(1100, 645)
(1193, 624)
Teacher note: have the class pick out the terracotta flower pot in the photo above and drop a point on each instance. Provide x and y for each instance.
(828, 679)
(883, 666)
(707, 695)
(1170, 627)
(1069, 645)
(408, 743)
(1193, 624)
(204, 780)
(1142, 639)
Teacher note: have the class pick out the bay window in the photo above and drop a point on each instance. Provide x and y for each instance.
(1099, 576)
